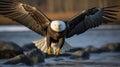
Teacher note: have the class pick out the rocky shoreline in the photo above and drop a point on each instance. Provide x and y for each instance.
(30, 55)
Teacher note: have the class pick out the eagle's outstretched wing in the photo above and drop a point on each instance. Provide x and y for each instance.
(25, 14)
(90, 18)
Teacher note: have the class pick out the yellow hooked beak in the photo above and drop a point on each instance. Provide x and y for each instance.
(57, 27)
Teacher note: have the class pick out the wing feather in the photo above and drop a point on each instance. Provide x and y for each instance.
(91, 19)
(25, 14)
(109, 13)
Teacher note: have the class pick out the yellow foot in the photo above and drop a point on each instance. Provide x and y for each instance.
(57, 51)
(49, 51)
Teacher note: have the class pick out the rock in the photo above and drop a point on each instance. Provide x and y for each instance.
(65, 55)
(28, 47)
(30, 58)
(58, 59)
(118, 47)
(60, 55)
(80, 54)
(9, 50)
(91, 49)
(75, 49)
(115, 47)
(36, 56)
(19, 59)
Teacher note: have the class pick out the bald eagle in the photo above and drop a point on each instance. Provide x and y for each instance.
(55, 30)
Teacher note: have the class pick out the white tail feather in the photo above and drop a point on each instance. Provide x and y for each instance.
(41, 44)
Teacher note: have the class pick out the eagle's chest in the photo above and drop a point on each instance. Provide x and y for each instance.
(56, 35)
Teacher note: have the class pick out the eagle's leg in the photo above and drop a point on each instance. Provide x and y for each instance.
(57, 51)
(49, 50)
(60, 45)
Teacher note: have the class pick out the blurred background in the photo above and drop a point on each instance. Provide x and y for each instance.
(64, 9)
(97, 37)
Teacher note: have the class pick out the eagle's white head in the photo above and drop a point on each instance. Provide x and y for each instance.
(58, 25)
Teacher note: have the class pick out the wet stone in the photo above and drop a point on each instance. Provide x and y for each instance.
(92, 49)
(19, 59)
(111, 47)
(118, 47)
(60, 55)
(29, 46)
(36, 56)
(79, 54)
(30, 58)
(9, 50)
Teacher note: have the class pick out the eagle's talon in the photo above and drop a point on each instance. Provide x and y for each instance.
(57, 51)
(49, 51)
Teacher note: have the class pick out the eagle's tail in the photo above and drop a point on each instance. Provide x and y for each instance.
(41, 44)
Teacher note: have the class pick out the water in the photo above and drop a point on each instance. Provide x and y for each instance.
(95, 37)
